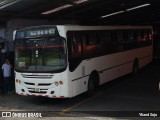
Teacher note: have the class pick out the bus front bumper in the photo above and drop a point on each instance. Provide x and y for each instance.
(37, 91)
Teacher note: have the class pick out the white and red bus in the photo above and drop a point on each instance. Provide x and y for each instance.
(60, 61)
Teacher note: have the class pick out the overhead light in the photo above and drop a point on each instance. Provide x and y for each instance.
(80, 1)
(56, 9)
(140, 6)
(63, 7)
(133, 8)
(115, 13)
(5, 4)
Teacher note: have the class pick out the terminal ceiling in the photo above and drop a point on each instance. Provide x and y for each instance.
(85, 11)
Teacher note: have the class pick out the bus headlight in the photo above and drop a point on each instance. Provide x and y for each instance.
(57, 83)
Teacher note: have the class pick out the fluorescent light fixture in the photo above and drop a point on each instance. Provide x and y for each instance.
(56, 9)
(140, 6)
(63, 7)
(115, 13)
(5, 4)
(80, 1)
(133, 8)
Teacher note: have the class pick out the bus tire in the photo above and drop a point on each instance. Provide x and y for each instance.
(135, 68)
(93, 84)
(91, 87)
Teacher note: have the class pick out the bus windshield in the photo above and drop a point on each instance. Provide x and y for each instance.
(40, 55)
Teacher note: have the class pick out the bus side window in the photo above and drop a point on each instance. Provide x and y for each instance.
(76, 46)
(92, 38)
(120, 41)
(106, 42)
(132, 42)
(140, 36)
(147, 38)
(74, 50)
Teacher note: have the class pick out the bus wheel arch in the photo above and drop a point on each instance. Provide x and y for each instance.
(93, 83)
(135, 67)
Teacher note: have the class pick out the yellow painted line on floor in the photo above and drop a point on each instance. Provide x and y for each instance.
(82, 102)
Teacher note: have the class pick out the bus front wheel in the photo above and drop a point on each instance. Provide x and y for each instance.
(91, 86)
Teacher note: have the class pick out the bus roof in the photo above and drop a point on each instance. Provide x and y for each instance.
(79, 27)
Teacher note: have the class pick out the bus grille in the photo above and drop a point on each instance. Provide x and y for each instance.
(40, 84)
(29, 83)
(37, 76)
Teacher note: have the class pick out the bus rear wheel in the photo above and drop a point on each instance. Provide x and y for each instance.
(135, 68)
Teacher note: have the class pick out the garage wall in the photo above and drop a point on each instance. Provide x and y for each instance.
(2, 32)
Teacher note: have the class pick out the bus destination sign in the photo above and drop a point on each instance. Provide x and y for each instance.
(35, 32)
